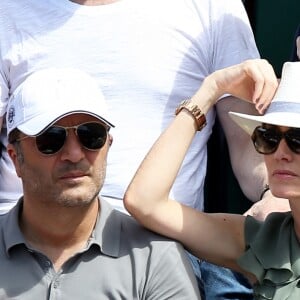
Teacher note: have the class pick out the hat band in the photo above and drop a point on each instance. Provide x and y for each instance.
(283, 107)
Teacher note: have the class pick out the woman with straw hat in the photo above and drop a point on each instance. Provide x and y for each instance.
(266, 252)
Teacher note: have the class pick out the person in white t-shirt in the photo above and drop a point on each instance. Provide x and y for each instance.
(147, 55)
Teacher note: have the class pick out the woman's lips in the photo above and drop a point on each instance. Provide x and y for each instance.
(284, 174)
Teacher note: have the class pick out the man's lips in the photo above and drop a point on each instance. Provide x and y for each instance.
(71, 175)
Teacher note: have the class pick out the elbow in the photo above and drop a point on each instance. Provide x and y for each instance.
(139, 205)
(133, 203)
(129, 202)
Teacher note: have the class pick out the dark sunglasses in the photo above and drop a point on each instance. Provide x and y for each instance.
(92, 136)
(266, 140)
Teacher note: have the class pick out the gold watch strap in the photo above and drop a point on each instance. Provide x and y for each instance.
(194, 110)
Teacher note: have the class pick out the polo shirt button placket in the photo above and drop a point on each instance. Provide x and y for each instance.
(56, 283)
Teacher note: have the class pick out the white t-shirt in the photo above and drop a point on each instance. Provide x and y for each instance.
(147, 56)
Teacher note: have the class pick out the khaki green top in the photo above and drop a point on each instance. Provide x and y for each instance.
(273, 255)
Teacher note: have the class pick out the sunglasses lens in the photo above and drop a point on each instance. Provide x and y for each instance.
(92, 135)
(51, 141)
(293, 139)
(265, 140)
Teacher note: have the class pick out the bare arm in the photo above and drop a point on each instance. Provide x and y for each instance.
(248, 166)
(218, 238)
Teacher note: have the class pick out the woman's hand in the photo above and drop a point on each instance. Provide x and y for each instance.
(253, 80)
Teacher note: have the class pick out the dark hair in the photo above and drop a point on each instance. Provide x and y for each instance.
(14, 135)
(13, 138)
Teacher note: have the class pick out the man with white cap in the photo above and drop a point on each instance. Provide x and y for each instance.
(267, 253)
(61, 241)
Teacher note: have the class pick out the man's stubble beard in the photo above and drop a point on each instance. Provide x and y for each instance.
(47, 193)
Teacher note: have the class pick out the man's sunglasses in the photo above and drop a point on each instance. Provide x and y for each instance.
(92, 136)
(266, 140)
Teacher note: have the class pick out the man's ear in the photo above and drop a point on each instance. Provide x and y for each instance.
(110, 139)
(12, 152)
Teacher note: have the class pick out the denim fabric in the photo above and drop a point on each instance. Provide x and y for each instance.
(217, 283)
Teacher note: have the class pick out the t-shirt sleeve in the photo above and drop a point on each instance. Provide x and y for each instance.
(4, 94)
(232, 35)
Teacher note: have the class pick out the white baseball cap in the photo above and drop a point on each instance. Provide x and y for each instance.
(50, 94)
(284, 109)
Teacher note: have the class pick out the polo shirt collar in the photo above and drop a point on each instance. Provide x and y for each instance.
(107, 232)
(11, 230)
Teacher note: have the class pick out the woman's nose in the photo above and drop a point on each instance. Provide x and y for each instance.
(283, 151)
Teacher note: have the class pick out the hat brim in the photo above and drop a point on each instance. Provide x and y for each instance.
(41, 122)
(250, 122)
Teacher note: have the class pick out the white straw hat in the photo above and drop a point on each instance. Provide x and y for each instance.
(48, 95)
(284, 109)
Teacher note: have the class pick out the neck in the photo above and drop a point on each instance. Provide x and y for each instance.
(94, 2)
(58, 232)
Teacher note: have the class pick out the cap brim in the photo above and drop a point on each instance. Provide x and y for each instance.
(250, 122)
(39, 123)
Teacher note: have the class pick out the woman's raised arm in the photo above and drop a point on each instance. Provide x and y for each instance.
(218, 238)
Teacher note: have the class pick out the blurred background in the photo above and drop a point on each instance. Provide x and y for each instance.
(274, 24)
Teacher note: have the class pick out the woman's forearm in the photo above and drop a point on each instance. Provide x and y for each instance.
(152, 182)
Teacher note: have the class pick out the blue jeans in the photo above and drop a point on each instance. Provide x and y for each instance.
(217, 283)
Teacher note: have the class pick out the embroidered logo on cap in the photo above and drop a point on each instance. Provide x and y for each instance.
(11, 116)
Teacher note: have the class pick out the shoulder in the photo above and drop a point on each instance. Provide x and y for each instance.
(271, 255)
(139, 241)
(164, 261)
(7, 234)
(232, 8)
(268, 243)
(275, 222)
(161, 262)
(136, 233)
(219, 5)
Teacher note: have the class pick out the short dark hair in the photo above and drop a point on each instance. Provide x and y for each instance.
(14, 135)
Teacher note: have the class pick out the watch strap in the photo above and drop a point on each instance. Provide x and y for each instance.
(194, 110)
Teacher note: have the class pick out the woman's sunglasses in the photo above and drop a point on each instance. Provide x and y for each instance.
(266, 140)
(92, 136)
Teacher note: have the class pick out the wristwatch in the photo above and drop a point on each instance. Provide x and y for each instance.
(194, 110)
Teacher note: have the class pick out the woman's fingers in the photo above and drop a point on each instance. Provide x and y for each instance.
(265, 85)
(253, 80)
